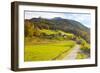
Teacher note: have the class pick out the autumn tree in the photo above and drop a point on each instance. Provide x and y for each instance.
(28, 29)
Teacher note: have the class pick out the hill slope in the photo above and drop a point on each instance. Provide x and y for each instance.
(65, 25)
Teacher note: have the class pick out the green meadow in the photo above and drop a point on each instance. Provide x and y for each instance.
(47, 50)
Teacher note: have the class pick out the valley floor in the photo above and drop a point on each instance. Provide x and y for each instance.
(46, 50)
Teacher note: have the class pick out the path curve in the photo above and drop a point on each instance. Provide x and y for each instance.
(73, 53)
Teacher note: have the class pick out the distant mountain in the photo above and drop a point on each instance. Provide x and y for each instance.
(65, 25)
(57, 18)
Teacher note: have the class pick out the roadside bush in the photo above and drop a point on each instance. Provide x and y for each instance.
(85, 47)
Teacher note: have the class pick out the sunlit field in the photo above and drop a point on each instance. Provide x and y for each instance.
(46, 50)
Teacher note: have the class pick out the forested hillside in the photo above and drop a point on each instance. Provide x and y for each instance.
(57, 23)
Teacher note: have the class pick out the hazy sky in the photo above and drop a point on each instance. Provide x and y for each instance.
(85, 19)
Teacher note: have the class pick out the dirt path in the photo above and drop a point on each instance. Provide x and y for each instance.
(73, 53)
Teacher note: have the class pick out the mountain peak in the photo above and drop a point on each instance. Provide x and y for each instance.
(57, 18)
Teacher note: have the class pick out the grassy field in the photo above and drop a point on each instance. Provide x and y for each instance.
(44, 50)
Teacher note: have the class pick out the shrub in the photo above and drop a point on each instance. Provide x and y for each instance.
(85, 47)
